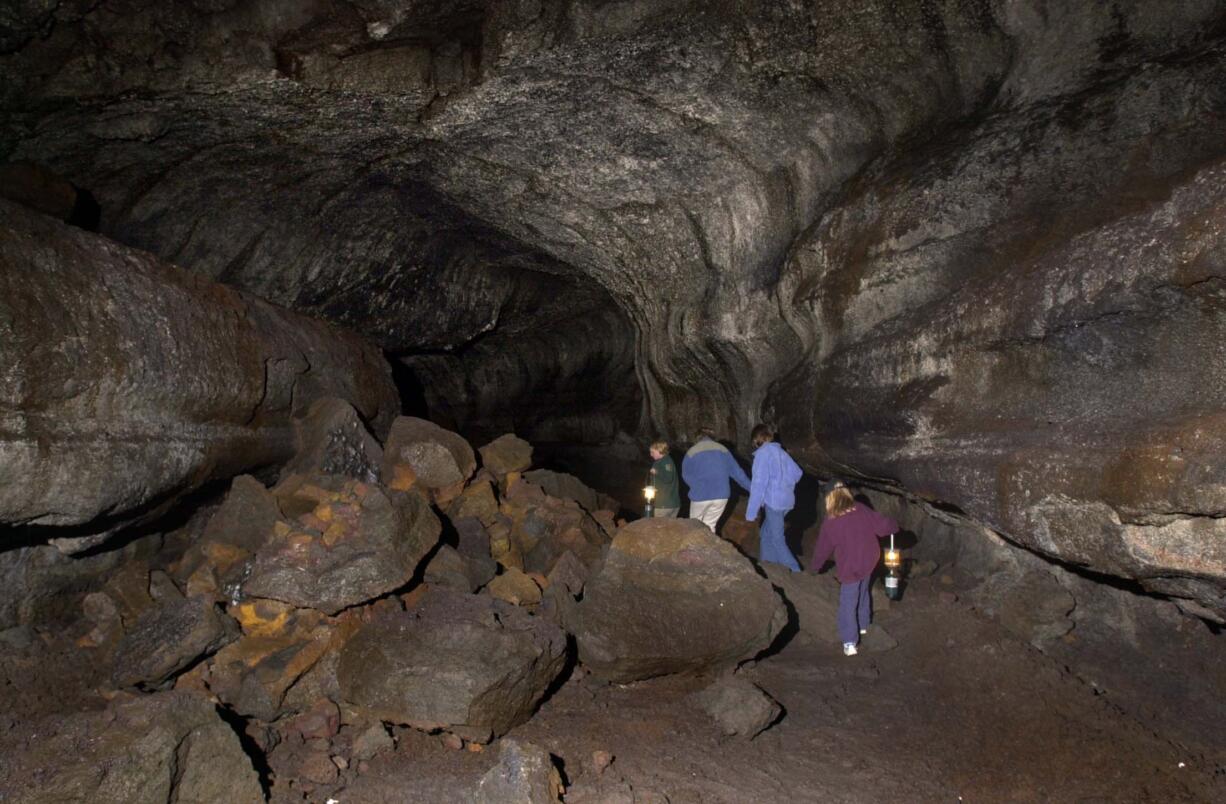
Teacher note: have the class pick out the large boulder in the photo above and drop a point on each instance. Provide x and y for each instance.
(437, 458)
(169, 637)
(359, 541)
(672, 597)
(151, 749)
(470, 664)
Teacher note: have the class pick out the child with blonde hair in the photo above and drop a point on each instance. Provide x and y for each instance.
(849, 533)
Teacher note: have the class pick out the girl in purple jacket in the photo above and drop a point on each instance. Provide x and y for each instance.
(850, 532)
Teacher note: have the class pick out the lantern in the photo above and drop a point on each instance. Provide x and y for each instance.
(893, 576)
(649, 508)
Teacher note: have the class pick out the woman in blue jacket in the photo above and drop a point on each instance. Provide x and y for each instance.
(773, 479)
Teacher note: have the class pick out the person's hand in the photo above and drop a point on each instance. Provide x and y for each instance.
(652, 471)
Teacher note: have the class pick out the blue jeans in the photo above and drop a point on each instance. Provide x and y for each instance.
(855, 609)
(772, 546)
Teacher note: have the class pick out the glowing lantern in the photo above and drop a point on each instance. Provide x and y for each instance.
(649, 508)
(893, 576)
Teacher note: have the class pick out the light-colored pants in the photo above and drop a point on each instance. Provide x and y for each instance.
(707, 512)
(665, 513)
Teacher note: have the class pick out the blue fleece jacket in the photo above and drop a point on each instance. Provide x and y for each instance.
(775, 475)
(706, 469)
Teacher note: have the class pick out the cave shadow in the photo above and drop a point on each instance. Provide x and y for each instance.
(259, 759)
(806, 514)
(409, 385)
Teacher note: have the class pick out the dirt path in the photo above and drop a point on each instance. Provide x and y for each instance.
(959, 711)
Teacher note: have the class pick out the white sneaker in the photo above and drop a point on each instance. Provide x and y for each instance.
(849, 649)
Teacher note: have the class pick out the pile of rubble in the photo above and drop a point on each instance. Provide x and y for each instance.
(419, 584)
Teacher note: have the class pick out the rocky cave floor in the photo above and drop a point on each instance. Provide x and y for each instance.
(942, 704)
(959, 711)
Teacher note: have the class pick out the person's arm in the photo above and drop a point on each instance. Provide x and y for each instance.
(795, 473)
(882, 524)
(736, 472)
(757, 490)
(823, 550)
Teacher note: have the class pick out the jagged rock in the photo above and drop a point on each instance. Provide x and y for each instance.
(569, 487)
(246, 516)
(505, 454)
(168, 638)
(543, 527)
(569, 573)
(524, 774)
(171, 746)
(39, 188)
(114, 416)
(332, 439)
(472, 539)
(373, 741)
(476, 501)
(280, 645)
(470, 664)
(740, 707)
(454, 570)
(359, 542)
(672, 597)
(438, 458)
(515, 588)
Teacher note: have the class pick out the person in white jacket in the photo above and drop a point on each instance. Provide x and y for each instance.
(772, 486)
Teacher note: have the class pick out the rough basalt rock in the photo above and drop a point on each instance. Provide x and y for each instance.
(740, 708)
(168, 638)
(360, 541)
(505, 454)
(466, 663)
(672, 597)
(145, 750)
(437, 457)
(332, 439)
(128, 382)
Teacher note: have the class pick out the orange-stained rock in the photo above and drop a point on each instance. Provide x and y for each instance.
(403, 477)
(515, 587)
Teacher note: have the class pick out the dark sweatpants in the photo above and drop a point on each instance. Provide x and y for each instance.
(855, 609)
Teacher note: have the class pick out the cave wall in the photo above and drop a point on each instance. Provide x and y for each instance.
(128, 383)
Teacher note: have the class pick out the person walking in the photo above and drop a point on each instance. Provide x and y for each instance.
(850, 534)
(664, 478)
(706, 469)
(775, 476)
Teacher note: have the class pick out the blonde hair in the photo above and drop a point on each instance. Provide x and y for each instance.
(659, 446)
(839, 501)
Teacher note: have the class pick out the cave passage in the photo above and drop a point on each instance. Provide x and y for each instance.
(333, 336)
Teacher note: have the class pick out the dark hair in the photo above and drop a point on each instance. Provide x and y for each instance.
(761, 434)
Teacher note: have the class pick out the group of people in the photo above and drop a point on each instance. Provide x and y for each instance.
(848, 534)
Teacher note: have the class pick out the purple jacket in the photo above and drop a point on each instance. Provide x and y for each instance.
(852, 538)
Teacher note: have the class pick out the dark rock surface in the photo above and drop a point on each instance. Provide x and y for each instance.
(144, 750)
(437, 457)
(740, 708)
(971, 248)
(496, 660)
(332, 439)
(671, 597)
(169, 638)
(128, 382)
(524, 774)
